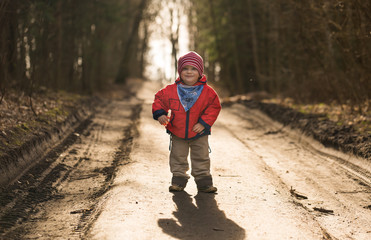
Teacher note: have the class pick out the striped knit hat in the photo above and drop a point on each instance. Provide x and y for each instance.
(191, 59)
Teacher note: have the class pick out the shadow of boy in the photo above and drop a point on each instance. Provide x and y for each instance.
(201, 221)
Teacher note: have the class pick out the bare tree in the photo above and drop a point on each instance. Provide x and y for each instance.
(174, 32)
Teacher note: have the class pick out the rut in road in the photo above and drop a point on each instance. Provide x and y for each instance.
(60, 195)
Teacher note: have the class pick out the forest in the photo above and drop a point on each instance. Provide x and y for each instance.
(311, 51)
(71, 45)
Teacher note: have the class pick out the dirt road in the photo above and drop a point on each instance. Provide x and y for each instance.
(109, 180)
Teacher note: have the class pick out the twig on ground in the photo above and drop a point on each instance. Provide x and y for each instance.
(31, 106)
(297, 195)
(323, 210)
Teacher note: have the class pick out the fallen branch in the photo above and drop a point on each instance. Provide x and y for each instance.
(297, 195)
(31, 106)
(322, 210)
(326, 235)
(81, 211)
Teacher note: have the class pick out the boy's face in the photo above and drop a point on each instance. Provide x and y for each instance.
(189, 75)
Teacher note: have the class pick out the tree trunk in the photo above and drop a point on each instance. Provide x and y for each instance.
(58, 47)
(143, 50)
(174, 38)
(254, 38)
(123, 69)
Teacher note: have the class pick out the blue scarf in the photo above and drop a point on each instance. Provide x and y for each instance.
(188, 95)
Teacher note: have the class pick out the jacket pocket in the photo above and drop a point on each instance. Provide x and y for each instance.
(174, 104)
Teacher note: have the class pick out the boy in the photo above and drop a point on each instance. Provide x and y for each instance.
(193, 107)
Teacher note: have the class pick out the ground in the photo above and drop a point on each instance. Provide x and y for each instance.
(22, 118)
(339, 126)
(109, 180)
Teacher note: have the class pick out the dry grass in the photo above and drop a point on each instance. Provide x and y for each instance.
(18, 109)
(342, 115)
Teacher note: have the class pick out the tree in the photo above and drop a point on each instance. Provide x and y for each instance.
(311, 51)
(127, 54)
(65, 44)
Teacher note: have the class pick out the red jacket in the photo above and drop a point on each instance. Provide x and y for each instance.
(205, 110)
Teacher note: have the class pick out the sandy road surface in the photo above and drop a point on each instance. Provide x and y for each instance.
(112, 183)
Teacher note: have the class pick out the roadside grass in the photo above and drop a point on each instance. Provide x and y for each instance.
(341, 114)
(342, 127)
(22, 117)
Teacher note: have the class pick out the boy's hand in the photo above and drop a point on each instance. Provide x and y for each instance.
(198, 127)
(164, 120)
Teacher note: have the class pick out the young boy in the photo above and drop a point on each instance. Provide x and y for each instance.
(193, 107)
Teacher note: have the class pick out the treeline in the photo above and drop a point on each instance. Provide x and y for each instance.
(309, 50)
(71, 45)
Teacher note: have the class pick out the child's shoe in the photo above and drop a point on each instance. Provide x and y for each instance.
(208, 189)
(175, 188)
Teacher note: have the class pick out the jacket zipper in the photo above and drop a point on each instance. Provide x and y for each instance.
(186, 128)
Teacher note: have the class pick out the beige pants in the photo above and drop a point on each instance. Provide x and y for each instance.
(200, 161)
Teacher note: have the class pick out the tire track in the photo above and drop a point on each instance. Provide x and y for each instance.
(320, 175)
(61, 177)
(35, 186)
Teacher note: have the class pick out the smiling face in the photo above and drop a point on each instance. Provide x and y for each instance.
(189, 75)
